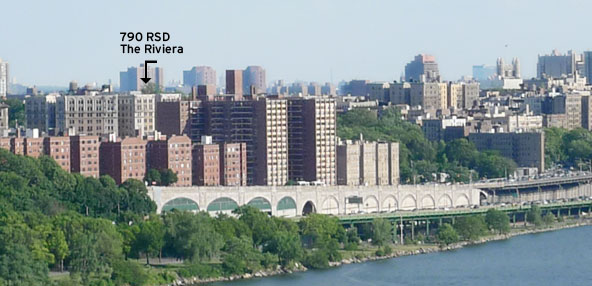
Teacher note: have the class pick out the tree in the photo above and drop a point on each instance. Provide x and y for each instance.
(128, 235)
(129, 273)
(192, 236)
(84, 258)
(153, 176)
(287, 246)
(150, 238)
(534, 215)
(498, 221)
(58, 246)
(137, 199)
(151, 88)
(382, 231)
(447, 234)
(261, 225)
(461, 151)
(352, 235)
(240, 256)
(549, 218)
(229, 227)
(471, 227)
(18, 267)
(168, 177)
(319, 226)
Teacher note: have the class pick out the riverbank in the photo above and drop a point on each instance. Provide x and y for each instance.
(369, 255)
(434, 248)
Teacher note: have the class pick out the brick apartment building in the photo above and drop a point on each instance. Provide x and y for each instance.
(173, 153)
(123, 160)
(58, 148)
(85, 156)
(206, 163)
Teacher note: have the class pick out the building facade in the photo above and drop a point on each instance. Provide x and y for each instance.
(556, 65)
(199, 75)
(173, 118)
(137, 114)
(526, 149)
(206, 164)
(368, 163)
(40, 112)
(124, 159)
(85, 155)
(58, 148)
(254, 76)
(234, 82)
(429, 95)
(93, 115)
(312, 128)
(423, 68)
(4, 79)
(174, 153)
(233, 164)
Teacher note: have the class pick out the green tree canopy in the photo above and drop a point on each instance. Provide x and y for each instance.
(447, 234)
(498, 221)
(382, 231)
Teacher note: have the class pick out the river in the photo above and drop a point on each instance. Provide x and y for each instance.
(561, 257)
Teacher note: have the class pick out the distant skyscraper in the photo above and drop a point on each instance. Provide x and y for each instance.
(328, 89)
(234, 82)
(483, 72)
(254, 76)
(556, 65)
(422, 69)
(588, 66)
(199, 75)
(131, 80)
(3, 79)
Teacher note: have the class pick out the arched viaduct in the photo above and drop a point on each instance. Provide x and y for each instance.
(290, 201)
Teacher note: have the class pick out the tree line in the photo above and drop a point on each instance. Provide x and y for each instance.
(571, 148)
(101, 232)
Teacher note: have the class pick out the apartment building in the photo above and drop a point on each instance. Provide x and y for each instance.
(348, 164)
(368, 163)
(206, 163)
(85, 155)
(233, 164)
(40, 112)
(173, 153)
(58, 148)
(33, 146)
(312, 139)
(136, 114)
(526, 149)
(430, 95)
(92, 115)
(271, 142)
(173, 118)
(260, 122)
(124, 159)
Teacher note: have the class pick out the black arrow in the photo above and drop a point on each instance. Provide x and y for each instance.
(146, 79)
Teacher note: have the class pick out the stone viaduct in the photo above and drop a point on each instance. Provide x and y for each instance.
(290, 201)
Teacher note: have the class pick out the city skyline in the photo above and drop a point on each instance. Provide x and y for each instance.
(333, 47)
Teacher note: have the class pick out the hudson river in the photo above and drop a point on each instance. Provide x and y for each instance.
(561, 257)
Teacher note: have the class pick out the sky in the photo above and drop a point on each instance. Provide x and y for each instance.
(54, 42)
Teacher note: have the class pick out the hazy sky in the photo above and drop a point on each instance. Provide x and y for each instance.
(53, 42)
